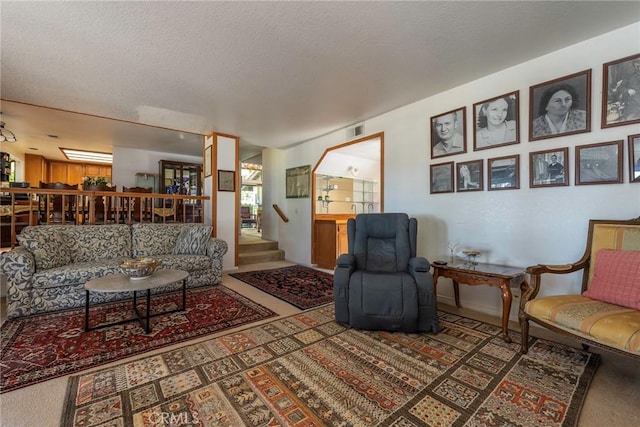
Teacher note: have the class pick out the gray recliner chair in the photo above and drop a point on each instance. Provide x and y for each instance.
(381, 284)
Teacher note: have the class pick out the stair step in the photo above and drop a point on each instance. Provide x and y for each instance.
(255, 257)
(261, 245)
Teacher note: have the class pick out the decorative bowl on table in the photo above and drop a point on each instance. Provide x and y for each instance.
(139, 268)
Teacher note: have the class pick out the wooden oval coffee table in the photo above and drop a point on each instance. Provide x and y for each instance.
(122, 283)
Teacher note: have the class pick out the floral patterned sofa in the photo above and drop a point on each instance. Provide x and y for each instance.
(48, 270)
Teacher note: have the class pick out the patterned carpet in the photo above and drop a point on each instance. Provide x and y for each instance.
(298, 285)
(40, 347)
(307, 370)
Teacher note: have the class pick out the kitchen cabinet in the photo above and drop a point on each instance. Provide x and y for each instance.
(35, 169)
(331, 240)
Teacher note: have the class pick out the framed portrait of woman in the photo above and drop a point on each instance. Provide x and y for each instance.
(549, 168)
(634, 158)
(448, 133)
(496, 121)
(503, 173)
(469, 176)
(599, 163)
(621, 92)
(560, 107)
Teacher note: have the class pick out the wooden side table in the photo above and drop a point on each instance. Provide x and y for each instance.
(497, 276)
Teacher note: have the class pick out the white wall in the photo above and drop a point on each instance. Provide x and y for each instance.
(226, 209)
(516, 227)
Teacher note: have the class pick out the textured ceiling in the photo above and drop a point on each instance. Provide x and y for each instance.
(272, 73)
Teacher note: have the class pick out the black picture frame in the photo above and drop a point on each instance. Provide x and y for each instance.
(577, 116)
(469, 176)
(453, 126)
(621, 92)
(497, 121)
(599, 163)
(503, 173)
(634, 158)
(441, 176)
(298, 182)
(226, 180)
(549, 168)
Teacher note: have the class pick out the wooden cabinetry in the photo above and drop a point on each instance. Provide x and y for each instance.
(331, 240)
(180, 178)
(5, 166)
(35, 169)
(72, 173)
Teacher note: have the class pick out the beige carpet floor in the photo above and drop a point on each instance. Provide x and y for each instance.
(613, 399)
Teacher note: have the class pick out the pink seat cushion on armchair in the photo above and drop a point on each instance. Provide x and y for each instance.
(616, 278)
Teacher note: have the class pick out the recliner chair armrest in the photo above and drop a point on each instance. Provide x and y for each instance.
(345, 260)
(419, 264)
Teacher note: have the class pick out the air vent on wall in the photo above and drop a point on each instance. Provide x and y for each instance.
(355, 131)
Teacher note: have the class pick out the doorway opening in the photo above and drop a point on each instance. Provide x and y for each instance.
(251, 200)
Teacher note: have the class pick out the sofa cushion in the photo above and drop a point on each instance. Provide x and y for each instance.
(192, 240)
(75, 274)
(616, 278)
(184, 262)
(96, 242)
(154, 239)
(49, 248)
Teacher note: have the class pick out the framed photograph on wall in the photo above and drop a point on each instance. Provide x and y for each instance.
(634, 158)
(226, 180)
(207, 161)
(469, 176)
(298, 182)
(549, 168)
(503, 173)
(442, 178)
(560, 107)
(496, 121)
(448, 133)
(621, 92)
(599, 163)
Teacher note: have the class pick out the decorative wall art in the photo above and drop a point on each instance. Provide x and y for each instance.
(634, 158)
(549, 168)
(599, 163)
(207, 161)
(496, 121)
(448, 133)
(621, 92)
(503, 173)
(560, 107)
(469, 176)
(226, 180)
(298, 182)
(442, 178)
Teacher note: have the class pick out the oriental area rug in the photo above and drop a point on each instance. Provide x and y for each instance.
(307, 370)
(298, 285)
(40, 347)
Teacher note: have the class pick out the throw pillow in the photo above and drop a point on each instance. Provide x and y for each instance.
(49, 250)
(192, 240)
(616, 278)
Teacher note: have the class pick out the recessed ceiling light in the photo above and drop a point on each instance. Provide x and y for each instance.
(53, 136)
(87, 156)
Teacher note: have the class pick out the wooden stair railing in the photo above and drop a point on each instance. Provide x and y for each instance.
(281, 214)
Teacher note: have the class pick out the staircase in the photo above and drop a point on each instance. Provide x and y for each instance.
(253, 251)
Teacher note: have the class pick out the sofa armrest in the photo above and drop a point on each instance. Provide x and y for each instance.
(216, 248)
(18, 265)
(531, 287)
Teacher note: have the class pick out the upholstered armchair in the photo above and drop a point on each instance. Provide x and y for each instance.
(381, 284)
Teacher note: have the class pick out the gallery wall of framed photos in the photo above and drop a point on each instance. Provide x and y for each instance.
(557, 108)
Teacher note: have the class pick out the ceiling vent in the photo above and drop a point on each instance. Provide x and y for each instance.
(355, 131)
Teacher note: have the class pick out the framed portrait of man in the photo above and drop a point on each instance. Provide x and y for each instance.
(599, 163)
(560, 107)
(621, 92)
(549, 168)
(496, 121)
(469, 176)
(634, 158)
(448, 133)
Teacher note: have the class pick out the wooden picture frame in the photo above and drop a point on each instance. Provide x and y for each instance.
(298, 182)
(441, 178)
(226, 180)
(503, 173)
(496, 121)
(207, 161)
(560, 107)
(549, 168)
(599, 163)
(634, 158)
(621, 92)
(469, 176)
(449, 133)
